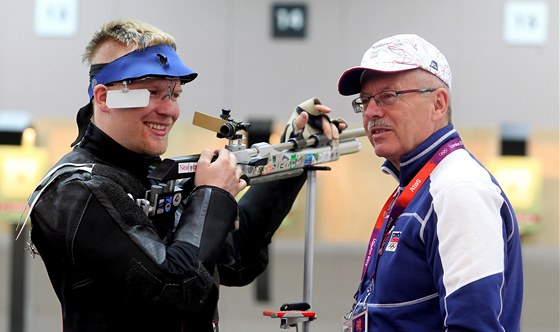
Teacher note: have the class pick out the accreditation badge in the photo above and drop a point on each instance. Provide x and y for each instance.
(358, 321)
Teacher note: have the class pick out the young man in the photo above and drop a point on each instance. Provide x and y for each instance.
(112, 267)
(445, 253)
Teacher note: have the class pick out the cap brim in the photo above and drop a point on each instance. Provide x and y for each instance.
(153, 61)
(184, 78)
(350, 81)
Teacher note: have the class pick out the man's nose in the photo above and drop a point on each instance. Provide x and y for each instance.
(167, 106)
(373, 110)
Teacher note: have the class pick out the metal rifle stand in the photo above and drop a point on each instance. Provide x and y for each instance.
(310, 236)
(18, 291)
(292, 314)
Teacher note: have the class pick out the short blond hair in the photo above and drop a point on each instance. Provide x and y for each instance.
(129, 32)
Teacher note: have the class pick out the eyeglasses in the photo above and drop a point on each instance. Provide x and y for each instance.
(385, 98)
(154, 92)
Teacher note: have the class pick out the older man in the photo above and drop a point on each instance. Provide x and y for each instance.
(445, 252)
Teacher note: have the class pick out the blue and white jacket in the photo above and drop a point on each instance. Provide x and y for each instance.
(457, 261)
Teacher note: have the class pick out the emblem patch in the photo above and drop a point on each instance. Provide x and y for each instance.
(393, 241)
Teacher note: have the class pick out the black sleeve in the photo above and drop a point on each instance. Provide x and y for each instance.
(261, 211)
(206, 221)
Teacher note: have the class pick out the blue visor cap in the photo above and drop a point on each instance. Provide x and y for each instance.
(153, 61)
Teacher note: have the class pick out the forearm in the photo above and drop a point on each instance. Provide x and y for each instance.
(264, 206)
(261, 210)
(206, 221)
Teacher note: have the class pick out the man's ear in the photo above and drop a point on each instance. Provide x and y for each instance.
(441, 103)
(100, 97)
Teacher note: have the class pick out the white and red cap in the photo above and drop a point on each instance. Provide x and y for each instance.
(395, 54)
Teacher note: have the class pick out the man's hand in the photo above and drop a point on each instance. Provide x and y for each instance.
(311, 118)
(222, 173)
(328, 128)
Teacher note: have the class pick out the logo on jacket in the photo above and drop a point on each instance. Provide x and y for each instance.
(393, 241)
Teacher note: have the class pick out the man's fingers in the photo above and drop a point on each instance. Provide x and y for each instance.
(206, 156)
(238, 171)
(242, 184)
(323, 109)
(335, 132)
(300, 121)
(232, 158)
(327, 127)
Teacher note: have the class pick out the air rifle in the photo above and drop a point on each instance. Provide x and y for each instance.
(262, 162)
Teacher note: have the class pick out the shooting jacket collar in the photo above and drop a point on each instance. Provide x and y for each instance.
(108, 151)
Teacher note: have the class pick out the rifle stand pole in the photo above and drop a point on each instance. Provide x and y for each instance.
(310, 236)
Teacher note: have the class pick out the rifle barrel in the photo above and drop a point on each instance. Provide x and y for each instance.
(345, 135)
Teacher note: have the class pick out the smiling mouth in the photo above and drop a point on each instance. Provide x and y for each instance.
(155, 126)
(157, 129)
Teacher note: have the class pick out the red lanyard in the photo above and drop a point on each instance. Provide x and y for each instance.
(396, 204)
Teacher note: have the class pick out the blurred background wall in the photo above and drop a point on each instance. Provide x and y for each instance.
(496, 83)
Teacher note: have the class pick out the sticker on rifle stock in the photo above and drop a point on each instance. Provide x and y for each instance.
(186, 168)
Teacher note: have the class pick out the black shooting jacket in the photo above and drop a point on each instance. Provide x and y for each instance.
(114, 270)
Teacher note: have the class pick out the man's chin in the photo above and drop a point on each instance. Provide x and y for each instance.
(380, 150)
(155, 151)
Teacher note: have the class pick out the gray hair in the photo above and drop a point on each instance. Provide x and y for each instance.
(429, 80)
